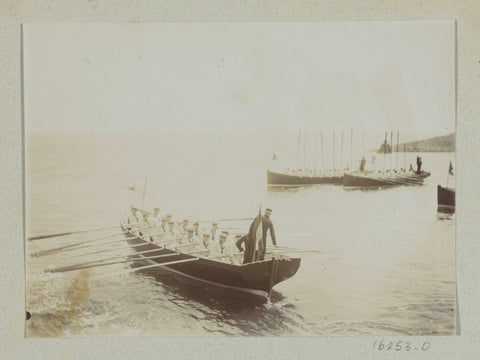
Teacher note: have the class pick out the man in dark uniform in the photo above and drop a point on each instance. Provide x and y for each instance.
(266, 225)
(249, 252)
(419, 164)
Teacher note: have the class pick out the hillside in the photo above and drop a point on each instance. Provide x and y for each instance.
(444, 143)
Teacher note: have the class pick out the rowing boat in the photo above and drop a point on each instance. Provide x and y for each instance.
(256, 278)
(445, 199)
(384, 180)
(276, 178)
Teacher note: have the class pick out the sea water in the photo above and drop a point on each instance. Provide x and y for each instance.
(385, 266)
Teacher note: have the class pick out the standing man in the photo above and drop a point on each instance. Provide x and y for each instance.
(419, 165)
(249, 251)
(266, 225)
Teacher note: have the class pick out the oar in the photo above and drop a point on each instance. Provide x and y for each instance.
(130, 254)
(148, 267)
(295, 251)
(116, 257)
(125, 247)
(47, 252)
(282, 247)
(240, 219)
(70, 248)
(68, 233)
(73, 268)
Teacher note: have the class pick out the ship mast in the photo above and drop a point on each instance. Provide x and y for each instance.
(334, 151)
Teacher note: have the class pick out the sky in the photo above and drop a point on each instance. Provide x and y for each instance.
(240, 77)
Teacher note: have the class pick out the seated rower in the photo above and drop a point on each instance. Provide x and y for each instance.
(154, 222)
(189, 241)
(196, 231)
(189, 237)
(132, 223)
(206, 244)
(164, 225)
(184, 227)
(213, 232)
(145, 227)
(222, 249)
(172, 235)
(155, 216)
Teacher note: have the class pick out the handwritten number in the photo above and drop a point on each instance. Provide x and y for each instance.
(426, 345)
(407, 346)
(381, 345)
(389, 347)
(398, 347)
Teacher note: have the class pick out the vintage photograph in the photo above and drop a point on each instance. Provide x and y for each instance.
(239, 179)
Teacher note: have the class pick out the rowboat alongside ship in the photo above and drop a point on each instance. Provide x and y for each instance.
(257, 278)
(372, 180)
(276, 178)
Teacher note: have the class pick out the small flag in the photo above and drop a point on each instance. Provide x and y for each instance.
(450, 169)
(136, 188)
(274, 156)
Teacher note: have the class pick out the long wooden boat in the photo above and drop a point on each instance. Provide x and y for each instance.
(384, 180)
(276, 178)
(256, 278)
(445, 199)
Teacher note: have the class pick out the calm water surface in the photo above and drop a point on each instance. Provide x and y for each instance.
(387, 262)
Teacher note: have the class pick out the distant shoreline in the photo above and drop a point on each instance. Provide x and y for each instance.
(439, 144)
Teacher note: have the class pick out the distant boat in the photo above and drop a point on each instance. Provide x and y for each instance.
(276, 178)
(446, 195)
(445, 199)
(304, 176)
(391, 179)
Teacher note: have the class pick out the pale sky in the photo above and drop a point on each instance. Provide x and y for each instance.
(240, 77)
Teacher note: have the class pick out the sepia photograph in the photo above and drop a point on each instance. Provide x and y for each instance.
(240, 179)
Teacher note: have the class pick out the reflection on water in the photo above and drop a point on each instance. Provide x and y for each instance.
(385, 262)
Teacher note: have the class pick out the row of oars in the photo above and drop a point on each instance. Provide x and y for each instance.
(99, 242)
(401, 181)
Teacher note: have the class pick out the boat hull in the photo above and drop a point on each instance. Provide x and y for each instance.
(275, 178)
(365, 181)
(256, 278)
(445, 199)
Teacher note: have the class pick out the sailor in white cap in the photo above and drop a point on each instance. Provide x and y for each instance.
(222, 248)
(206, 244)
(154, 220)
(132, 216)
(132, 222)
(164, 225)
(171, 230)
(189, 237)
(196, 230)
(213, 232)
(145, 228)
(190, 242)
(184, 227)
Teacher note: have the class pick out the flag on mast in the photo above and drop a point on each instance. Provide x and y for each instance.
(136, 187)
(450, 169)
(257, 230)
